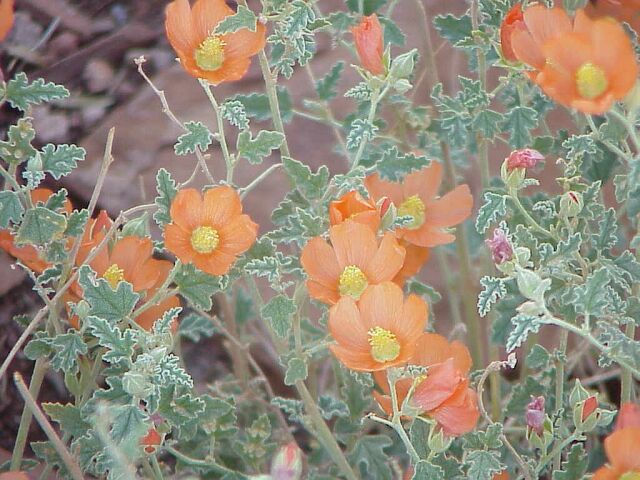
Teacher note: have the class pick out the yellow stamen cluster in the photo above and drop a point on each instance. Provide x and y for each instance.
(352, 282)
(209, 55)
(113, 275)
(205, 239)
(384, 345)
(630, 476)
(412, 207)
(591, 81)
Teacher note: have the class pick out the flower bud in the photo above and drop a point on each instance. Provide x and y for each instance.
(534, 414)
(571, 204)
(501, 249)
(287, 464)
(438, 442)
(525, 158)
(367, 36)
(586, 414)
(388, 213)
(151, 440)
(578, 393)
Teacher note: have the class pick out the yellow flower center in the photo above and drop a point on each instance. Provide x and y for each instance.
(209, 55)
(352, 282)
(384, 345)
(205, 239)
(591, 81)
(412, 207)
(630, 476)
(113, 275)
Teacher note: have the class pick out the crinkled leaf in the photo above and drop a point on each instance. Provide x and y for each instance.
(519, 122)
(233, 111)
(67, 347)
(17, 148)
(493, 289)
(394, 165)
(68, 417)
(11, 208)
(196, 286)
(523, 326)
(369, 455)
(279, 311)
(493, 208)
(326, 87)
(311, 185)
(197, 136)
(296, 371)
(120, 345)
(243, 18)
(360, 130)
(195, 327)
(60, 160)
(166, 188)
(257, 105)
(21, 93)
(40, 226)
(255, 149)
(483, 465)
(107, 303)
(575, 467)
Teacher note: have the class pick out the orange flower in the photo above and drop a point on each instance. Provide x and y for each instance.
(623, 452)
(622, 10)
(586, 65)
(511, 22)
(444, 394)
(28, 254)
(355, 259)
(130, 260)
(353, 206)
(209, 232)
(414, 260)
(6, 18)
(628, 416)
(204, 54)
(417, 197)
(380, 330)
(367, 36)
(501, 476)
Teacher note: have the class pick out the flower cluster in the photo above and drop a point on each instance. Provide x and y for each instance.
(360, 272)
(585, 62)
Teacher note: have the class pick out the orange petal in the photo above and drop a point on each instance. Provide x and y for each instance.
(387, 260)
(526, 49)
(220, 205)
(367, 36)
(323, 293)
(215, 263)
(461, 357)
(232, 69)
(459, 414)
(411, 323)
(379, 188)
(238, 235)
(6, 18)
(206, 15)
(441, 383)
(414, 259)
(353, 243)
(319, 261)
(427, 237)
(180, 29)
(424, 183)
(147, 318)
(186, 208)
(244, 42)
(346, 326)
(622, 449)
(432, 349)
(178, 241)
(628, 416)
(452, 209)
(381, 306)
(546, 23)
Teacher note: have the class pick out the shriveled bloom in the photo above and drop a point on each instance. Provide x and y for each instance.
(524, 158)
(6, 18)
(501, 249)
(586, 64)
(368, 37)
(203, 53)
(623, 454)
(444, 393)
(535, 415)
(628, 416)
(209, 231)
(622, 10)
(355, 259)
(379, 331)
(130, 259)
(417, 197)
(511, 22)
(354, 206)
(29, 254)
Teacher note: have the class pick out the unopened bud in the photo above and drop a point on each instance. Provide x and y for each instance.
(586, 414)
(571, 204)
(534, 414)
(287, 464)
(501, 249)
(438, 442)
(151, 440)
(525, 158)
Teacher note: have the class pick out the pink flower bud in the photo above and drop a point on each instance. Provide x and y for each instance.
(590, 405)
(368, 38)
(525, 158)
(501, 249)
(535, 414)
(287, 464)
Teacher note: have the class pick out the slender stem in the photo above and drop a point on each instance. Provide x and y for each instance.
(272, 95)
(228, 160)
(61, 449)
(157, 471)
(376, 96)
(323, 433)
(557, 450)
(397, 422)
(244, 191)
(536, 226)
(560, 387)
(39, 371)
(208, 464)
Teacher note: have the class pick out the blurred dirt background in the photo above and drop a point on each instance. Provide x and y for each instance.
(89, 46)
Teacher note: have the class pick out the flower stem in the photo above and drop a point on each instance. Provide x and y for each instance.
(535, 225)
(396, 423)
(228, 160)
(272, 95)
(564, 336)
(39, 371)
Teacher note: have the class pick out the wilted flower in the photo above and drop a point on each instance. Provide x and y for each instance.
(287, 464)
(501, 249)
(203, 53)
(525, 158)
(535, 414)
(368, 38)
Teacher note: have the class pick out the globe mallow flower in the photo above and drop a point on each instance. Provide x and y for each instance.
(368, 38)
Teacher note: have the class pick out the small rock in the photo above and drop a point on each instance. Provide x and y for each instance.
(98, 75)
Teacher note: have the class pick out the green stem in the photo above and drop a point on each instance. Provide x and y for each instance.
(376, 96)
(536, 226)
(208, 464)
(272, 95)
(397, 423)
(244, 191)
(157, 471)
(626, 381)
(557, 450)
(229, 162)
(564, 336)
(39, 371)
